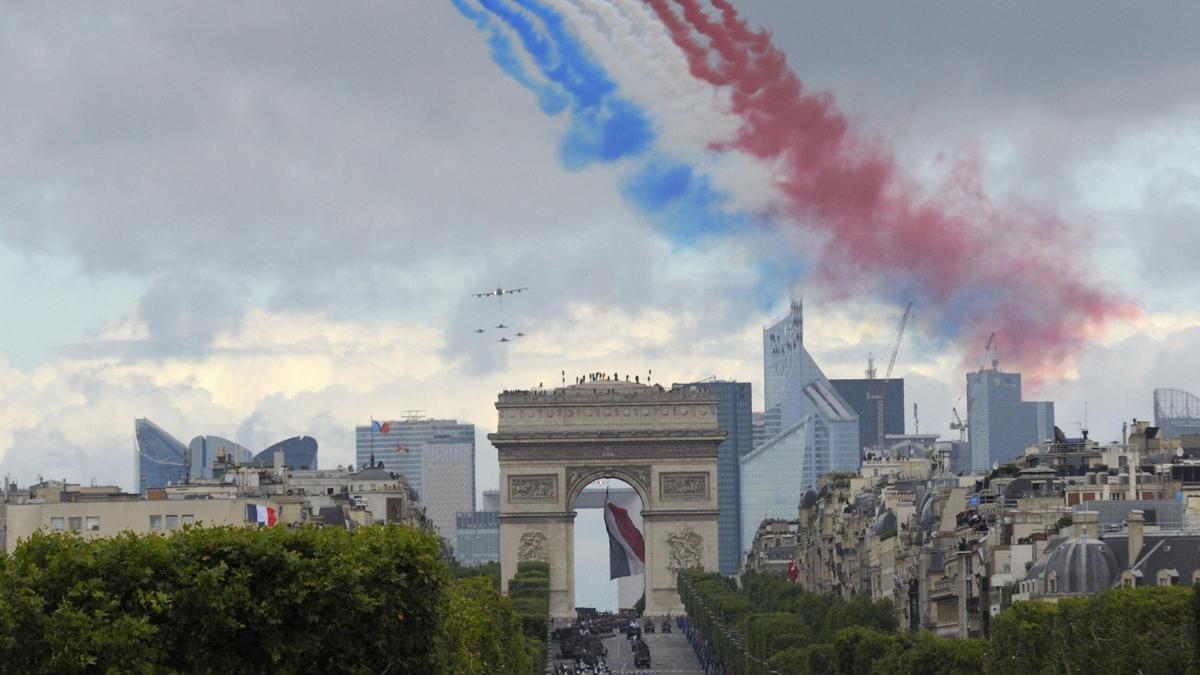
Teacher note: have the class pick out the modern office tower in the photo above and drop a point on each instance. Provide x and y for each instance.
(1001, 425)
(810, 429)
(436, 456)
(1176, 413)
(734, 418)
(860, 394)
(477, 537)
(449, 480)
(299, 453)
(162, 459)
(205, 450)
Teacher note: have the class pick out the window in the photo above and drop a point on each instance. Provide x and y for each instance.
(93, 523)
(189, 519)
(155, 523)
(172, 522)
(74, 523)
(57, 524)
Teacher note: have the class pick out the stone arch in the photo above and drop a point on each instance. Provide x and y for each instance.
(662, 443)
(637, 477)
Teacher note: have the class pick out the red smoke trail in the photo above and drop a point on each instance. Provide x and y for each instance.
(974, 266)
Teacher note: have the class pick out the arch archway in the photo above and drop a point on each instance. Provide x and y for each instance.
(551, 445)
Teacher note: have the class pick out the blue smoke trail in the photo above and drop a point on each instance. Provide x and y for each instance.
(604, 127)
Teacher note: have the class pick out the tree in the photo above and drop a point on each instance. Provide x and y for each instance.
(247, 600)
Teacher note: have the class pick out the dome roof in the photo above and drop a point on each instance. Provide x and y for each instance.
(809, 498)
(1080, 565)
(885, 522)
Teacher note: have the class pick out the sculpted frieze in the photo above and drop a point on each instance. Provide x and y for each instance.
(532, 548)
(683, 485)
(686, 550)
(533, 488)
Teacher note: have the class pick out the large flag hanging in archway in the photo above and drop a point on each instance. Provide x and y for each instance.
(626, 548)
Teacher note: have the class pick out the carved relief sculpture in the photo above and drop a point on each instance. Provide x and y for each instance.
(684, 485)
(532, 548)
(533, 488)
(687, 550)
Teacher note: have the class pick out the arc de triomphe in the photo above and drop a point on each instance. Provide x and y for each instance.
(553, 443)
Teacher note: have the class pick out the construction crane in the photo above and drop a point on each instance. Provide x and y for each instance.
(958, 425)
(877, 389)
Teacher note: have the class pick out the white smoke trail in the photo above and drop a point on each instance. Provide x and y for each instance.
(690, 115)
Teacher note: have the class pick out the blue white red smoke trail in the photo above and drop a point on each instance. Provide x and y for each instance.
(963, 258)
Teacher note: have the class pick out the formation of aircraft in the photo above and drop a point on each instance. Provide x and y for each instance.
(499, 294)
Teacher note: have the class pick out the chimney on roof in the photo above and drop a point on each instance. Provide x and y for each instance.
(1135, 524)
(1087, 524)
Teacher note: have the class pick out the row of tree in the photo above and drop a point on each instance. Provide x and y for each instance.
(251, 600)
(772, 626)
(529, 592)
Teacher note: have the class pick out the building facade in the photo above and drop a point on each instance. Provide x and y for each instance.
(795, 388)
(477, 537)
(448, 470)
(859, 394)
(809, 429)
(734, 418)
(1001, 424)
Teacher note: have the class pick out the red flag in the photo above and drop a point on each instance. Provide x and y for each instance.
(793, 571)
(385, 427)
(271, 519)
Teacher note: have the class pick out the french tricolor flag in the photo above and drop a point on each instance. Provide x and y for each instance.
(626, 548)
(263, 515)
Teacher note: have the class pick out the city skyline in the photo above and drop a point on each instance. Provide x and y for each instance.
(122, 323)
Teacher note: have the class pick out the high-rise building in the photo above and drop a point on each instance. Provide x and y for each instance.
(1001, 425)
(861, 393)
(1176, 413)
(299, 452)
(161, 458)
(477, 537)
(810, 429)
(436, 456)
(205, 450)
(734, 418)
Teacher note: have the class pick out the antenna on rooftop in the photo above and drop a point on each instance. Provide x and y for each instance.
(411, 415)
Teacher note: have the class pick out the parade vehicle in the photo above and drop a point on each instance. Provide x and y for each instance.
(641, 654)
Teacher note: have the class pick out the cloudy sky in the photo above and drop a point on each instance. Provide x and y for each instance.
(264, 219)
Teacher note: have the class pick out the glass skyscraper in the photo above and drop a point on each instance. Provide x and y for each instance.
(809, 429)
(162, 459)
(734, 418)
(1001, 425)
(477, 537)
(299, 452)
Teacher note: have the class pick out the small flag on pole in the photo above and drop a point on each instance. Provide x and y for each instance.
(380, 428)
